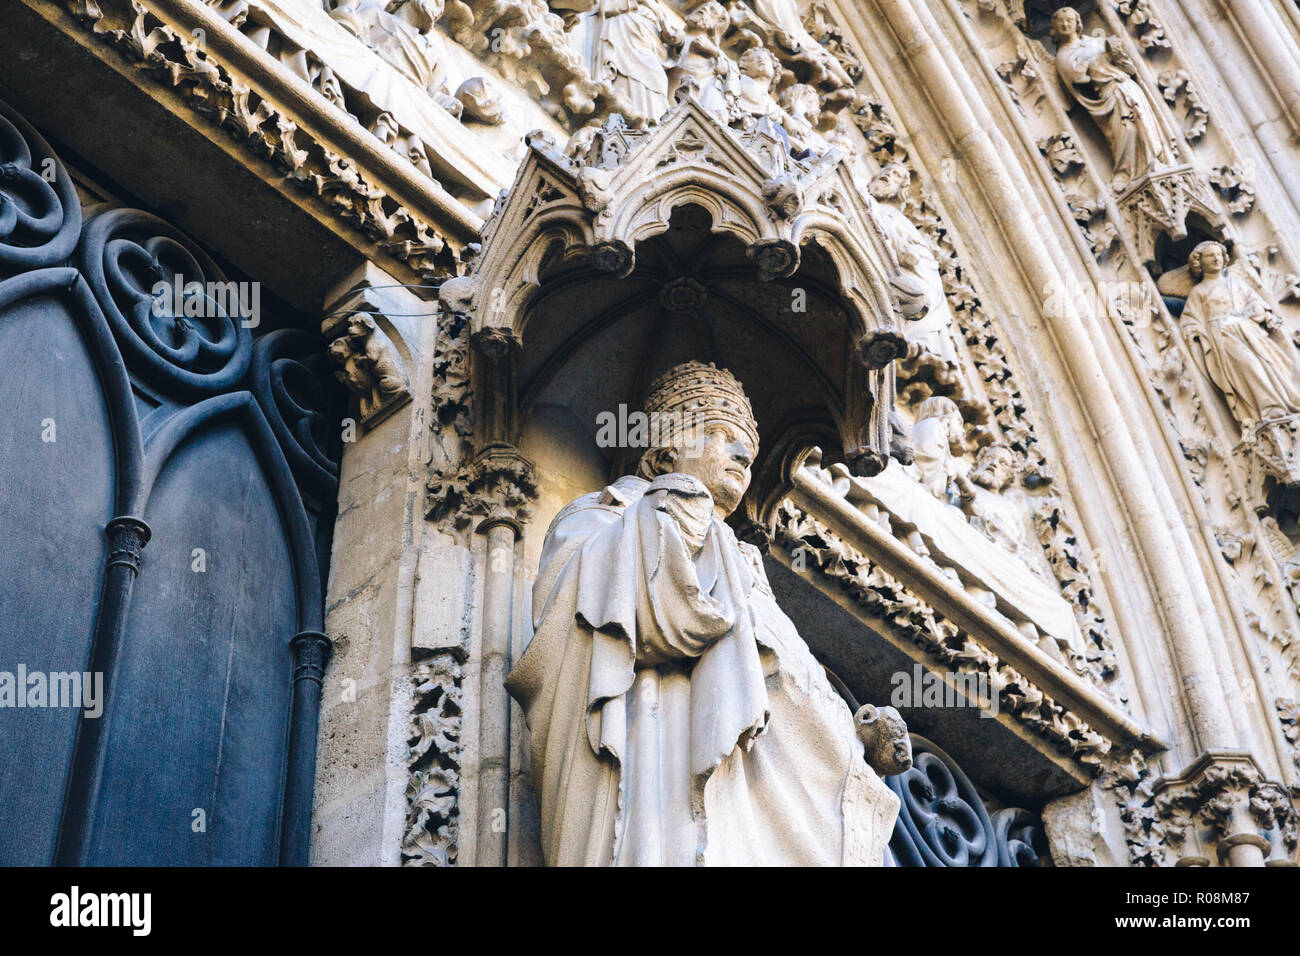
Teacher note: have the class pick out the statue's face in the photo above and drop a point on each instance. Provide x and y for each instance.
(998, 469)
(1066, 25)
(889, 182)
(708, 18)
(1212, 259)
(721, 459)
(756, 66)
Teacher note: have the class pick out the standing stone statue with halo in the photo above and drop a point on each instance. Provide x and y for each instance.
(676, 716)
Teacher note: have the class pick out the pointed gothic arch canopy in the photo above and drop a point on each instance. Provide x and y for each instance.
(630, 250)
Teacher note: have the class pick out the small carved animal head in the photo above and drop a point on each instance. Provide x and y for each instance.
(360, 326)
(885, 742)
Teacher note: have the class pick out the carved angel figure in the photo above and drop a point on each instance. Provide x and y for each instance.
(1098, 74)
(932, 327)
(779, 24)
(1228, 328)
(935, 436)
(703, 68)
(803, 110)
(757, 74)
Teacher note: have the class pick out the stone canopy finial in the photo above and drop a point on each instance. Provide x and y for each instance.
(701, 393)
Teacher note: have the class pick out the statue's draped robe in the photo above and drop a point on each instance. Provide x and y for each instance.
(399, 44)
(1138, 140)
(1256, 374)
(630, 54)
(676, 716)
(933, 329)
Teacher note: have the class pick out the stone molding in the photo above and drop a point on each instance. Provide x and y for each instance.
(1061, 706)
(281, 120)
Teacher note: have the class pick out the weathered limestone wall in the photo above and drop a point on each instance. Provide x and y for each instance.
(360, 807)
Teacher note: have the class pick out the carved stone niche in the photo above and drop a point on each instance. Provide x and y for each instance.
(364, 356)
(631, 250)
(1159, 203)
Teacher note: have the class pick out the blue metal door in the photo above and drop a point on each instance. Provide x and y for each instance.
(166, 499)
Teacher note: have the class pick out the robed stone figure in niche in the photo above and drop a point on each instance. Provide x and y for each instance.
(933, 327)
(1228, 326)
(676, 716)
(1100, 77)
(630, 52)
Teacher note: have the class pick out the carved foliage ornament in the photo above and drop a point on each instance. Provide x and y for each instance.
(434, 762)
(496, 485)
(880, 595)
(1225, 793)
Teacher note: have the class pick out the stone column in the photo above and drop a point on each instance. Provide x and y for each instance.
(494, 703)
(502, 475)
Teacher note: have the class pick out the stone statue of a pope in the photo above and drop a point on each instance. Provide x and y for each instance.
(676, 716)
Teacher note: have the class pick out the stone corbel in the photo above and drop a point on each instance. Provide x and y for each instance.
(365, 359)
(868, 436)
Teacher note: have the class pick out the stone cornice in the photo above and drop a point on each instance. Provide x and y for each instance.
(318, 117)
(278, 117)
(991, 630)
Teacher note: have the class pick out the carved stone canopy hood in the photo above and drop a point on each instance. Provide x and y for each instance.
(632, 249)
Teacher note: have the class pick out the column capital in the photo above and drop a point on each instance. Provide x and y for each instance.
(1223, 800)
